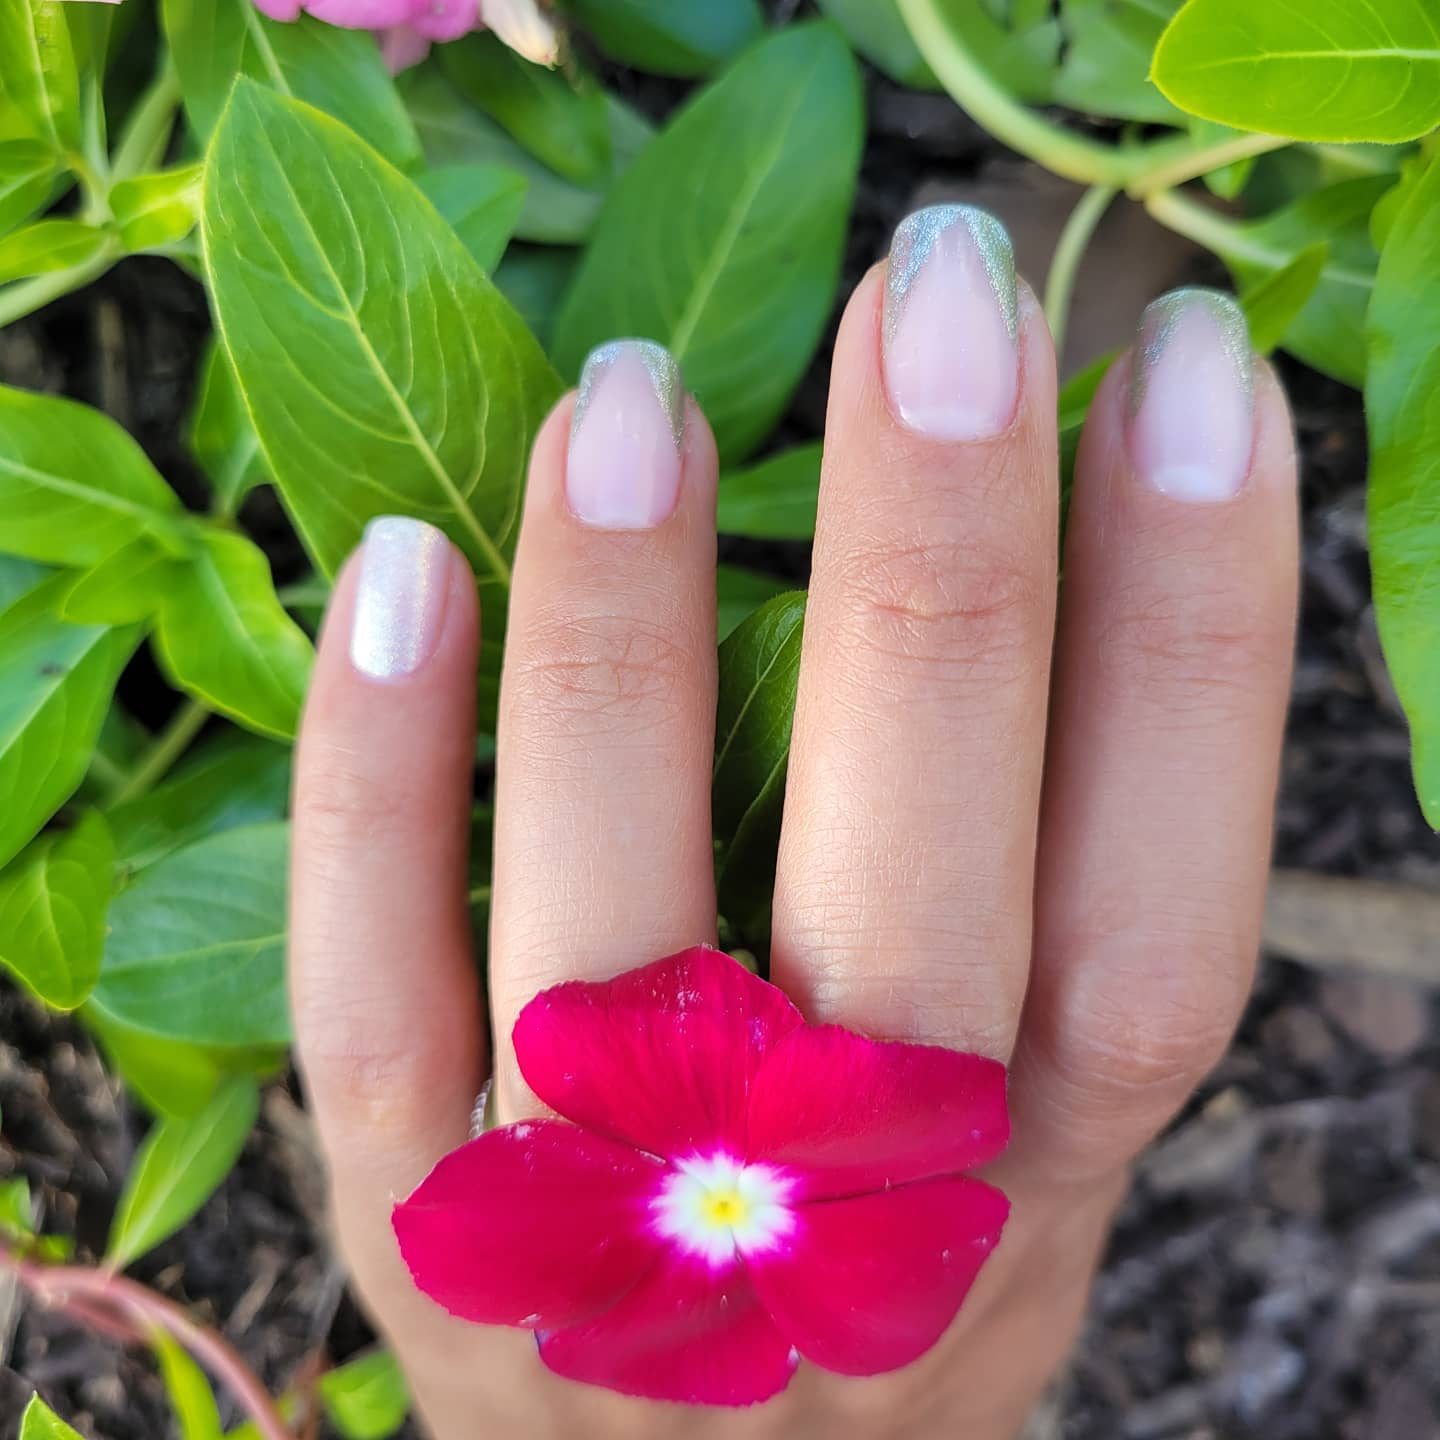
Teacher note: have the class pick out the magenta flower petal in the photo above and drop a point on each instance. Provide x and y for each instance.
(286, 10)
(442, 20)
(849, 1115)
(687, 1333)
(360, 14)
(537, 1224)
(401, 47)
(662, 1057)
(870, 1284)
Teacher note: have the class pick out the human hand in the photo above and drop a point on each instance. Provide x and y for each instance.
(1047, 847)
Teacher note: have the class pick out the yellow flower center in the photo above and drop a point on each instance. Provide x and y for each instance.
(725, 1207)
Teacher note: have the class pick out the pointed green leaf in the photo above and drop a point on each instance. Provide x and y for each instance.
(197, 943)
(366, 1398)
(1328, 70)
(127, 586)
(482, 204)
(27, 179)
(49, 245)
(197, 1415)
(225, 638)
(40, 1422)
(152, 211)
(1272, 305)
(37, 71)
(559, 116)
(1105, 65)
(369, 396)
(337, 70)
(221, 435)
(670, 37)
(53, 898)
(56, 681)
(774, 500)
(74, 487)
(1402, 404)
(723, 240)
(178, 1168)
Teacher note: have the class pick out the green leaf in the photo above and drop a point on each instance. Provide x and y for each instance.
(27, 180)
(1330, 70)
(562, 121)
(153, 211)
(1402, 404)
(55, 686)
(759, 676)
(37, 71)
(670, 37)
(723, 240)
(197, 943)
(53, 899)
(482, 204)
(236, 779)
(366, 1398)
(17, 1209)
(1229, 181)
(369, 398)
(47, 246)
(774, 500)
(1273, 304)
(221, 435)
(124, 587)
(193, 1401)
(534, 278)
(740, 593)
(169, 1076)
(225, 638)
(177, 1168)
(1329, 332)
(1073, 405)
(1389, 205)
(1018, 45)
(338, 71)
(18, 578)
(40, 1422)
(876, 29)
(1106, 58)
(454, 132)
(73, 485)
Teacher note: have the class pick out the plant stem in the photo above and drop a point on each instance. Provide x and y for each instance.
(26, 296)
(1174, 162)
(171, 743)
(1074, 238)
(88, 1292)
(147, 133)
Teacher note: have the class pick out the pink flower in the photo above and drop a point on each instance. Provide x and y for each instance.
(738, 1189)
(407, 27)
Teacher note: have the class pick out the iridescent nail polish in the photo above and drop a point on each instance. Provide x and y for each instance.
(399, 598)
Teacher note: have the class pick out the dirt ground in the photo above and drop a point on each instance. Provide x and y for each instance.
(1276, 1273)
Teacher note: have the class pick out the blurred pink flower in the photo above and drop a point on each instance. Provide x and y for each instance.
(408, 27)
(736, 1190)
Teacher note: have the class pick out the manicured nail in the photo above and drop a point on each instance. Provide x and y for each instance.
(1192, 396)
(952, 365)
(400, 597)
(623, 472)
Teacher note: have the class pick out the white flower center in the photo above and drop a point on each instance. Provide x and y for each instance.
(717, 1207)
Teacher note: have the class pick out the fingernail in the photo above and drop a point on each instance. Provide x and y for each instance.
(952, 365)
(400, 597)
(623, 471)
(1192, 396)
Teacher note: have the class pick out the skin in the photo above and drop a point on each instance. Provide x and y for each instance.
(1047, 845)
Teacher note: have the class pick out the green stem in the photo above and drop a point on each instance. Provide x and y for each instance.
(168, 746)
(1074, 239)
(1138, 169)
(1194, 221)
(147, 133)
(26, 296)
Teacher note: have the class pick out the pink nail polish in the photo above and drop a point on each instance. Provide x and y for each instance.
(1192, 397)
(952, 365)
(623, 470)
(400, 597)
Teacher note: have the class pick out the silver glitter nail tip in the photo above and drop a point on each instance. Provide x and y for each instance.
(1163, 316)
(659, 363)
(915, 240)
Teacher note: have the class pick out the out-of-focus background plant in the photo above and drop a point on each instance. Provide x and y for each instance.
(410, 222)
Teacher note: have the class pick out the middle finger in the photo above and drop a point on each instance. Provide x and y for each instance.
(903, 898)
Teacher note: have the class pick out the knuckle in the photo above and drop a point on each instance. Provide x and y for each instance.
(1187, 647)
(606, 672)
(951, 608)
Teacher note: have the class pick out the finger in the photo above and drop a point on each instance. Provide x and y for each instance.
(602, 812)
(387, 1010)
(904, 891)
(1171, 686)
